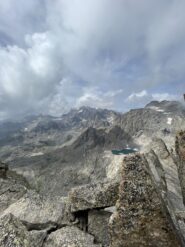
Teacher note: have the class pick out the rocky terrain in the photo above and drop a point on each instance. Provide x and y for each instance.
(61, 184)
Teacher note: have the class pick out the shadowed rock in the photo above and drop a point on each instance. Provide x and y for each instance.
(3, 170)
(98, 225)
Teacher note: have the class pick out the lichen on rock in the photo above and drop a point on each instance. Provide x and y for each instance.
(139, 219)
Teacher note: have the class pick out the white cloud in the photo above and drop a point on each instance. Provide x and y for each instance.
(95, 98)
(142, 98)
(28, 75)
(138, 95)
(164, 96)
(66, 53)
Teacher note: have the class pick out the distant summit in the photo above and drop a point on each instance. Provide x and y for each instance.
(167, 106)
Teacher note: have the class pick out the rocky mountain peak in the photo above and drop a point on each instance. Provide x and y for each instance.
(167, 106)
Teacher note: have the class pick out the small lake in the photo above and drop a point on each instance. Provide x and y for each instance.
(124, 151)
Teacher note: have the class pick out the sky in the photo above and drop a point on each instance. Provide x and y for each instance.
(118, 54)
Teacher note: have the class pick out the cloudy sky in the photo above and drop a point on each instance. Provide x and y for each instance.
(118, 54)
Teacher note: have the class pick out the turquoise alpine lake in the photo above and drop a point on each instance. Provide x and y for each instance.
(123, 151)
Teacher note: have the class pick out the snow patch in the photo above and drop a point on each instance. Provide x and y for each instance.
(58, 119)
(129, 148)
(110, 209)
(110, 119)
(156, 108)
(169, 120)
(36, 154)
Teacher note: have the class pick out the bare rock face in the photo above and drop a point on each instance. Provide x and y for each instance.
(180, 150)
(160, 148)
(37, 212)
(99, 195)
(10, 192)
(164, 172)
(139, 219)
(13, 233)
(12, 187)
(70, 237)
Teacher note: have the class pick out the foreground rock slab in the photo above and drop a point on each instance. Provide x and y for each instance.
(99, 195)
(139, 219)
(10, 192)
(70, 237)
(13, 233)
(36, 211)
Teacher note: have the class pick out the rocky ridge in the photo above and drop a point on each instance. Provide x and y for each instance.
(77, 193)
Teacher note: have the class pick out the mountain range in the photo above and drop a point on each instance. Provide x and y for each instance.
(51, 156)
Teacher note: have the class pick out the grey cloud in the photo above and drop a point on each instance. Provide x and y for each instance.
(67, 53)
(18, 18)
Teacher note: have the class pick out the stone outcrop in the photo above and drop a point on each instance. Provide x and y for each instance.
(13, 233)
(10, 192)
(163, 168)
(91, 196)
(70, 237)
(139, 219)
(12, 188)
(141, 205)
(144, 207)
(38, 212)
